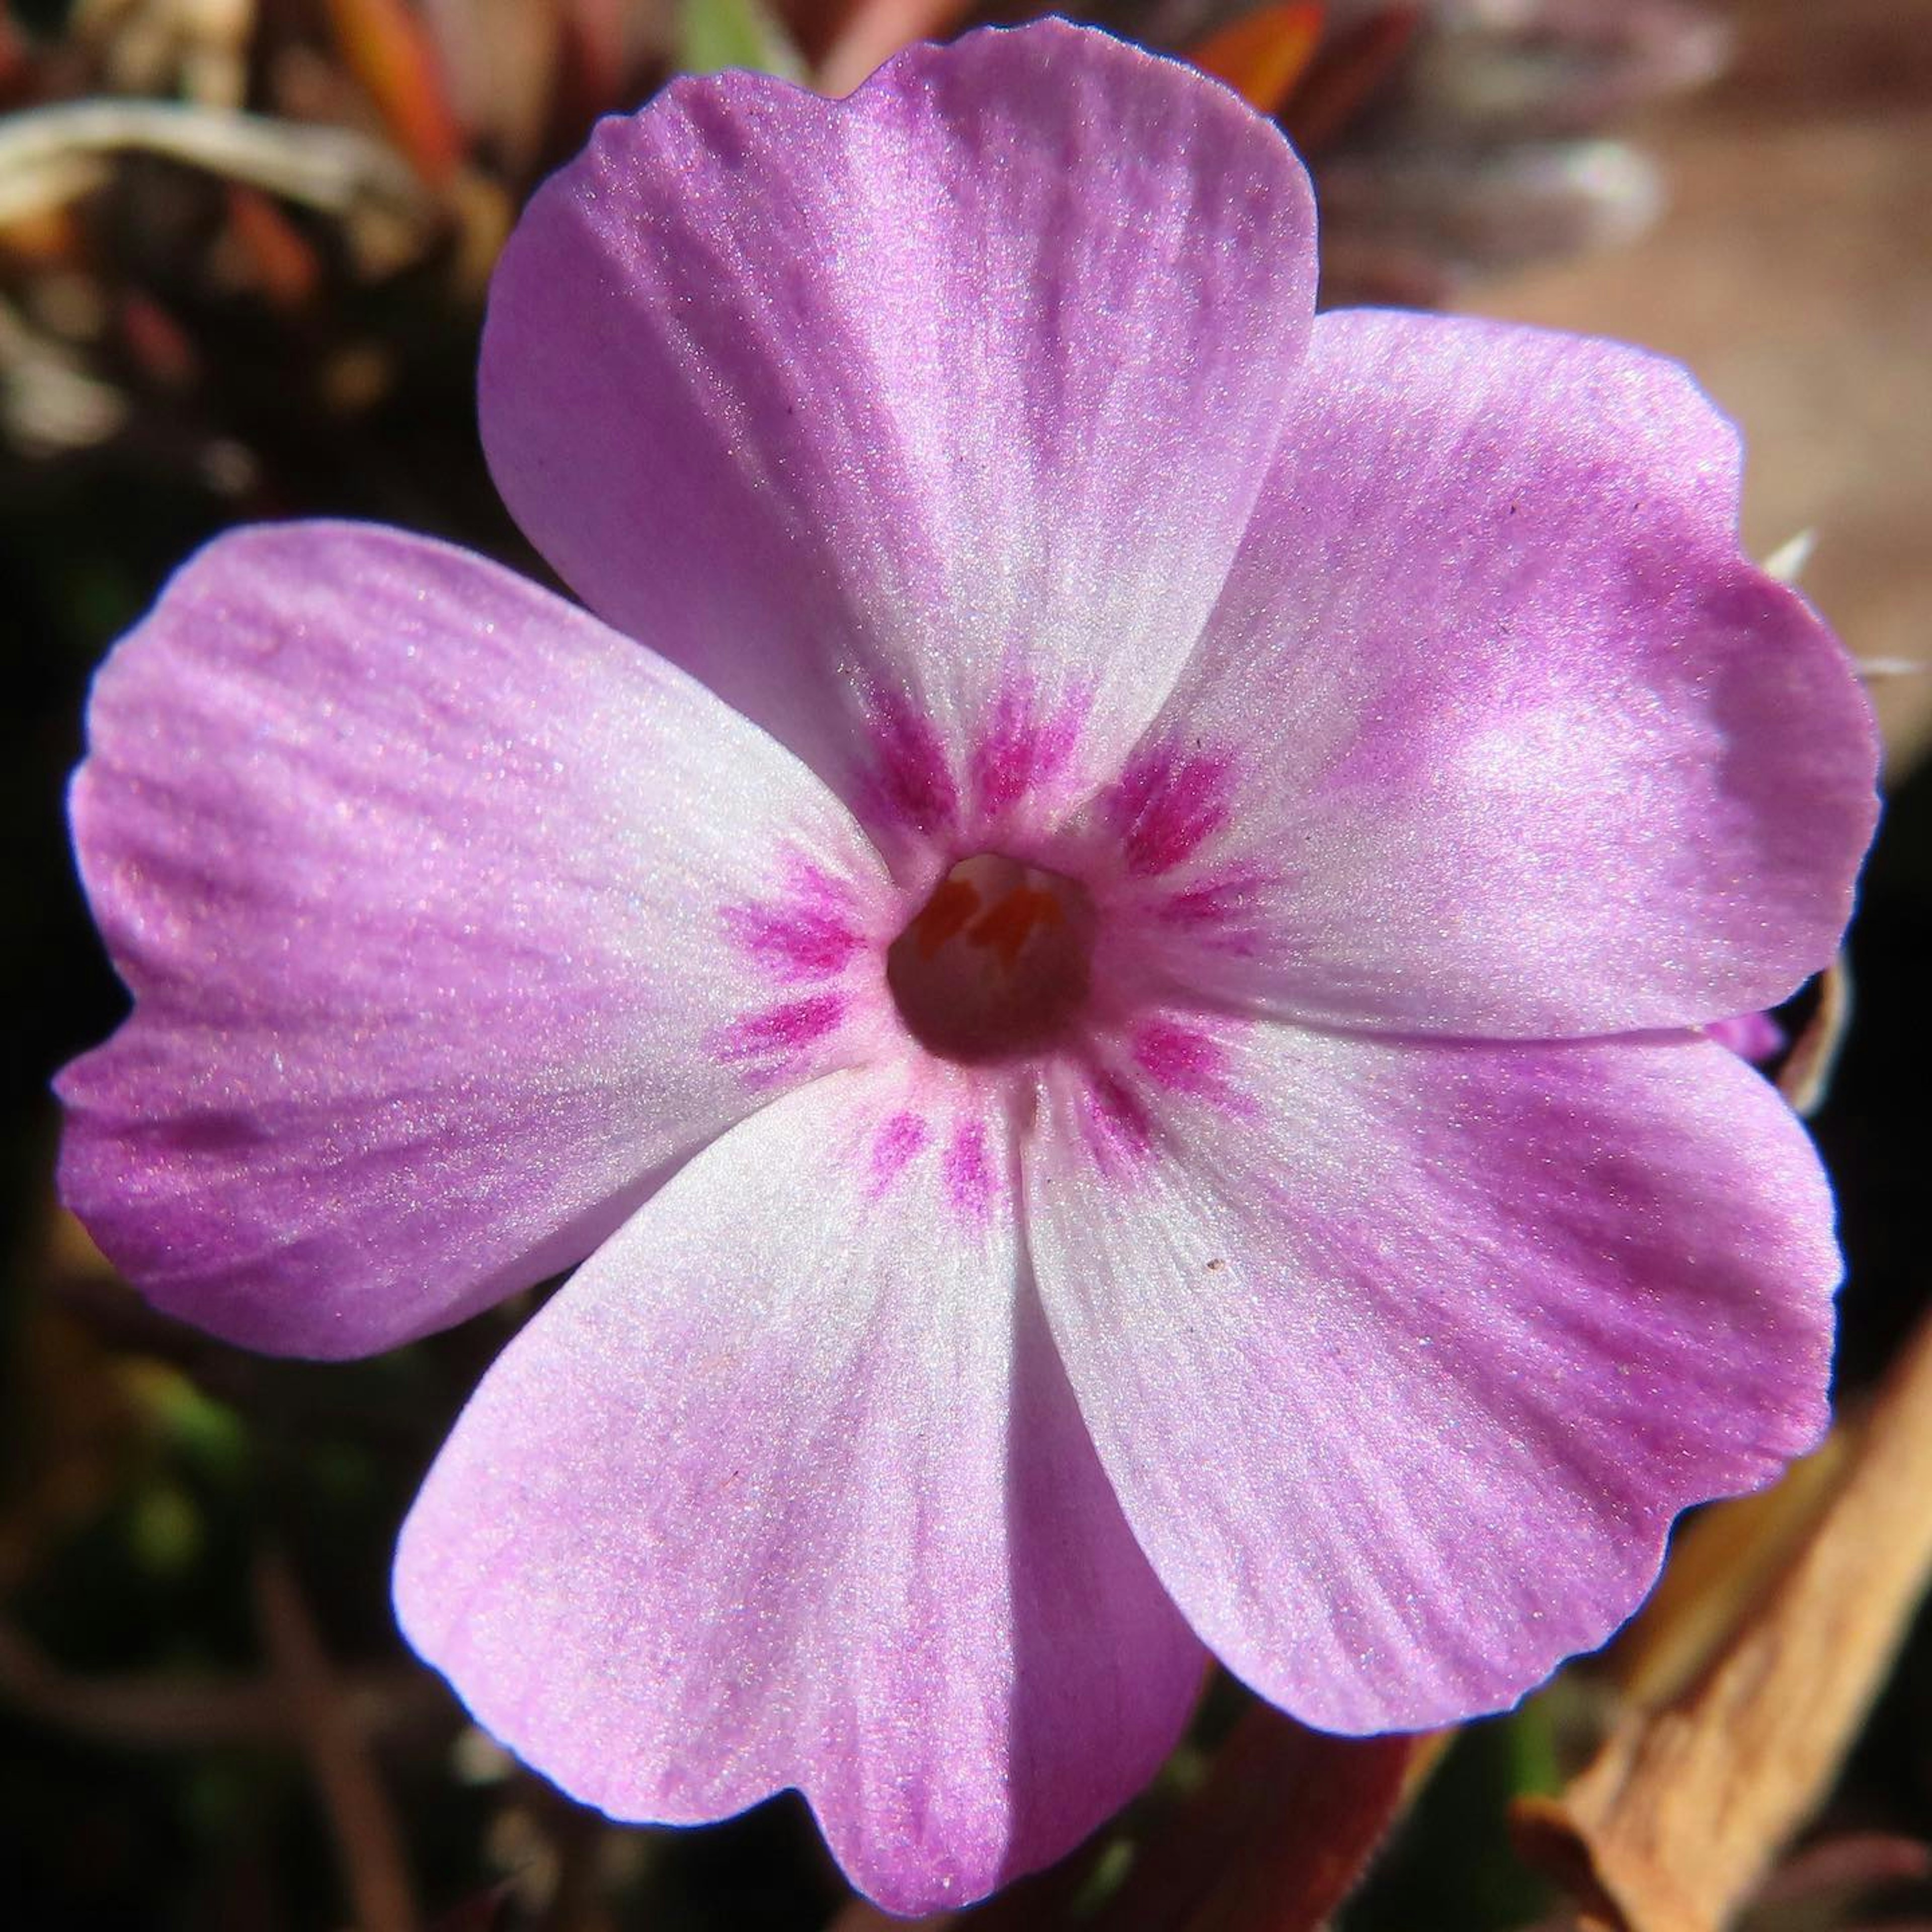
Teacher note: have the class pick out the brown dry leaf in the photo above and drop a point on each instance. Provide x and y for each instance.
(1721, 1563)
(1673, 1826)
(873, 30)
(1274, 1838)
(1277, 1836)
(368, 1834)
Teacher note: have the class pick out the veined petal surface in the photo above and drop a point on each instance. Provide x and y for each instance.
(786, 1487)
(1509, 738)
(923, 424)
(425, 884)
(1402, 1356)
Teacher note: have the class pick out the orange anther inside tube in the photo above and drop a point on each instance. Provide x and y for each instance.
(1005, 927)
(946, 912)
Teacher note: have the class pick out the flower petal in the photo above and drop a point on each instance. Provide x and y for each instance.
(1401, 1357)
(1506, 735)
(786, 1487)
(923, 425)
(438, 901)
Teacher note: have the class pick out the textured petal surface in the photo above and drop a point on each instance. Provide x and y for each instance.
(450, 915)
(1401, 1356)
(786, 1487)
(1495, 730)
(923, 424)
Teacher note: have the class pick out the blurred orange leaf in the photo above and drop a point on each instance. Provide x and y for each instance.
(502, 64)
(286, 269)
(390, 51)
(1348, 72)
(160, 347)
(1263, 55)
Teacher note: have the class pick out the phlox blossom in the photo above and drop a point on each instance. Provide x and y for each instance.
(1103, 942)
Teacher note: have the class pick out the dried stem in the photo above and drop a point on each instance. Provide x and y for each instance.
(367, 1836)
(1675, 1824)
(331, 169)
(1807, 1072)
(139, 1713)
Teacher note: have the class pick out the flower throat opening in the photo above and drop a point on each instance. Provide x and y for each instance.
(996, 963)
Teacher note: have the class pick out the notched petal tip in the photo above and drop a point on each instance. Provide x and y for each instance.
(681, 1549)
(1430, 1346)
(396, 853)
(897, 400)
(1568, 762)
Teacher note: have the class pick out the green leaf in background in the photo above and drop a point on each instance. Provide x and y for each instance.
(714, 34)
(1450, 1862)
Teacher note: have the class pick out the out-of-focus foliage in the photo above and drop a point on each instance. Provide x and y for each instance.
(225, 222)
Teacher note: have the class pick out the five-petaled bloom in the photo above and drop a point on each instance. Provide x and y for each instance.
(1103, 943)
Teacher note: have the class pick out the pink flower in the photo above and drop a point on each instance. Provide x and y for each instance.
(1757, 1037)
(1103, 944)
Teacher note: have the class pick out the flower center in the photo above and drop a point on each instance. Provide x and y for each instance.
(996, 962)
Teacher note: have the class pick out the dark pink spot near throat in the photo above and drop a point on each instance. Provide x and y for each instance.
(1022, 751)
(778, 1032)
(970, 1180)
(907, 781)
(898, 1140)
(1167, 806)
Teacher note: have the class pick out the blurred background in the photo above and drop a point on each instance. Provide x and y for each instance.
(243, 248)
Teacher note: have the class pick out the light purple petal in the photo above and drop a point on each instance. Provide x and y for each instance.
(433, 893)
(1499, 732)
(923, 425)
(1756, 1037)
(786, 1487)
(1401, 1357)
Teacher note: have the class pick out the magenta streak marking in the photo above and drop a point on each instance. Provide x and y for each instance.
(1183, 1061)
(814, 886)
(1212, 902)
(1166, 809)
(780, 1030)
(969, 1172)
(804, 931)
(910, 783)
(793, 943)
(1117, 1124)
(1021, 752)
(899, 1139)
(1216, 913)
